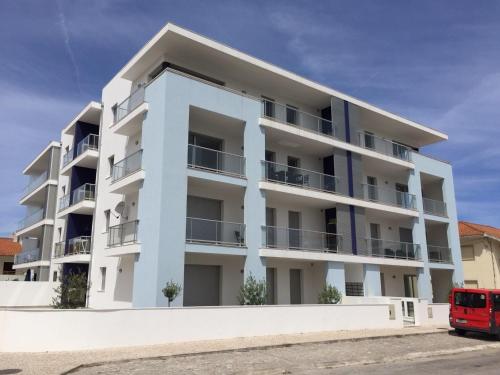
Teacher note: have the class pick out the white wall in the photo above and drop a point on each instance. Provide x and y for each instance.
(26, 293)
(121, 328)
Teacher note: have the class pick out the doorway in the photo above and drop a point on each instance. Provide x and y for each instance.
(205, 153)
(295, 286)
(271, 286)
(270, 227)
(410, 283)
(204, 216)
(294, 240)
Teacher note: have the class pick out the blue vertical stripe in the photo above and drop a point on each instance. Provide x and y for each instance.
(350, 178)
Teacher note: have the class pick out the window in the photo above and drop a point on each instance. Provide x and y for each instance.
(107, 215)
(7, 268)
(354, 289)
(268, 107)
(471, 300)
(103, 279)
(54, 276)
(467, 252)
(111, 162)
(369, 140)
(372, 188)
(292, 115)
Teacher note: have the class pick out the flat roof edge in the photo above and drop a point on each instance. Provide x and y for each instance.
(43, 152)
(91, 105)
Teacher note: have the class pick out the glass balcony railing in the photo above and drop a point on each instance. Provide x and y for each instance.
(86, 192)
(215, 232)
(216, 161)
(64, 202)
(31, 219)
(68, 157)
(370, 141)
(124, 233)
(127, 166)
(439, 254)
(35, 183)
(377, 247)
(129, 104)
(90, 142)
(300, 239)
(434, 207)
(75, 246)
(292, 116)
(304, 178)
(374, 193)
(27, 256)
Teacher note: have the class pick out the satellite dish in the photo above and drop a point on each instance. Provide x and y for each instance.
(121, 209)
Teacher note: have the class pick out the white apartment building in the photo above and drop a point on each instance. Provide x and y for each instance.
(204, 165)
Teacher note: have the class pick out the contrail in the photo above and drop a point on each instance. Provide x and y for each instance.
(67, 44)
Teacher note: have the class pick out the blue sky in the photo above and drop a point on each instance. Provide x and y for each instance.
(434, 62)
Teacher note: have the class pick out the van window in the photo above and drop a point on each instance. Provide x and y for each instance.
(471, 300)
(496, 301)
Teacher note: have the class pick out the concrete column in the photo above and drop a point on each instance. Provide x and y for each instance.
(335, 275)
(372, 285)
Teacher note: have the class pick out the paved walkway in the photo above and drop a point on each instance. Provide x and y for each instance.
(60, 362)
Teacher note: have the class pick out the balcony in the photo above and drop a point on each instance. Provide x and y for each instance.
(85, 155)
(379, 194)
(122, 239)
(292, 116)
(80, 201)
(130, 113)
(300, 239)
(214, 232)
(30, 221)
(439, 254)
(383, 146)
(127, 175)
(376, 247)
(216, 161)
(434, 207)
(27, 256)
(75, 250)
(34, 184)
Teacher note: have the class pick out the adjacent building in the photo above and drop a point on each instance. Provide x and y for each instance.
(480, 255)
(8, 250)
(207, 165)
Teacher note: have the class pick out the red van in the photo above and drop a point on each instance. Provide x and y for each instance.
(476, 310)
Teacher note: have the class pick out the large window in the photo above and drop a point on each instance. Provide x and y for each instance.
(471, 300)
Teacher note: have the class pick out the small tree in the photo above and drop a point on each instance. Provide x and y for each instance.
(71, 292)
(171, 291)
(253, 292)
(329, 295)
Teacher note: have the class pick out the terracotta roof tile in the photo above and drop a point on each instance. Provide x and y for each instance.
(9, 247)
(471, 229)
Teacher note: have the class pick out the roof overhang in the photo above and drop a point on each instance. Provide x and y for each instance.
(40, 158)
(90, 114)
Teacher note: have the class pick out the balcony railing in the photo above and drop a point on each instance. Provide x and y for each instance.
(90, 142)
(434, 207)
(439, 254)
(300, 239)
(384, 146)
(68, 157)
(376, 247)
(84, 192)
(127, 166)
(129, 104)
(304, 178)
(122, 234)
(64, 202)
(215, 232)
(27, 256)
(292, 116)
(75, 246)
(375, 193)
(39, 180)
(33, 218)
(216, 161)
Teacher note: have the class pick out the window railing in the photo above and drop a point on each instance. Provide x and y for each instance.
(216, 161)
(129, 104)
(215, 232)
(33, 218)
(375, 193)
(300, 239)
(304, 178)
(292, 116)
(376, 247)
(124, 233)
(27, 256)
(127, 166)
(90, 142)
(84, 192)
(75, 246)
(384, 146)
(434, 207)
(35, 183)
(439, 254)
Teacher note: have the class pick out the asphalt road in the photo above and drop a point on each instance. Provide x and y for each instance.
(436, 353)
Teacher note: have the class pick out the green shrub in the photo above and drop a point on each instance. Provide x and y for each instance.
(329, 295)
(253, 292)
(71, 292)
(171, 291)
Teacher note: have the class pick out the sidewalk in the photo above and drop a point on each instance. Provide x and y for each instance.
(60, 362)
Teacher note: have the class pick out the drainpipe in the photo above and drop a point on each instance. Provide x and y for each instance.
(493, 263)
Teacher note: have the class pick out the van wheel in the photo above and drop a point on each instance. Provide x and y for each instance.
(460, 332)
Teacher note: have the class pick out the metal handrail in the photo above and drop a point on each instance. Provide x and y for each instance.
(123, 233)
(126, 166)
(301, 239)
(34, 184)
(293, 116)
(304, 178)
(215, 160)
(215, 232)
(135, 99)
(439, 254)
(90, 142)
(31, 219)
(375, 193)
(434, 207)
(75, 246)
(384, 146)
(378, 247)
